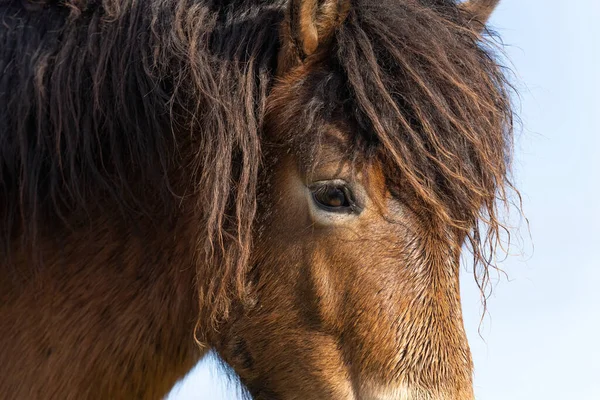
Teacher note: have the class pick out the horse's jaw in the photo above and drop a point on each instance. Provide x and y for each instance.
(405, 392)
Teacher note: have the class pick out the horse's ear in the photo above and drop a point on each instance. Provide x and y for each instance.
(308, 27)
(478, 12)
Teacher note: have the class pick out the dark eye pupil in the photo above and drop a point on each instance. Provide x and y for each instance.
(331, 196)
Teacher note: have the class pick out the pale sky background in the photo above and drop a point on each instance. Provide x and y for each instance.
(541, 338)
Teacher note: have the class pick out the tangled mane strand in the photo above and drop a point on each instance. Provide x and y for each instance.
(140, 106)
(430, 90)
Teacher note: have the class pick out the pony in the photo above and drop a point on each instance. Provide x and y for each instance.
(287, 182)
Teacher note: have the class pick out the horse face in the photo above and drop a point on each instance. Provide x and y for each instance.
(354, 284)
(351, 298)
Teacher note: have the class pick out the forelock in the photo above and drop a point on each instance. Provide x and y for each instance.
(426, 96)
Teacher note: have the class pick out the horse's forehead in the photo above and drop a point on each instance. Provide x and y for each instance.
(329, 147)
(334, 143)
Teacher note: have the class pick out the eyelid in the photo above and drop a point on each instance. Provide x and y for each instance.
(328, 182)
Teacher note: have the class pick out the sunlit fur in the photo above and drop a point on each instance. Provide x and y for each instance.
(155, 158)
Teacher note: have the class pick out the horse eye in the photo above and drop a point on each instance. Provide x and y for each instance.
(333, 198)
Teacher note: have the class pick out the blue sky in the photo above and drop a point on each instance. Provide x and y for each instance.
(541, 336)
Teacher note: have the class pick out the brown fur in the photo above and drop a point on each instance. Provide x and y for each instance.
(157, 160)
(479, 11)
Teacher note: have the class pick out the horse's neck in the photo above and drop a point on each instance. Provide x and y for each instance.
(109, 313)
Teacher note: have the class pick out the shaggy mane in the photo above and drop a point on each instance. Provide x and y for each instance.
(139, 106)
(143, 104)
